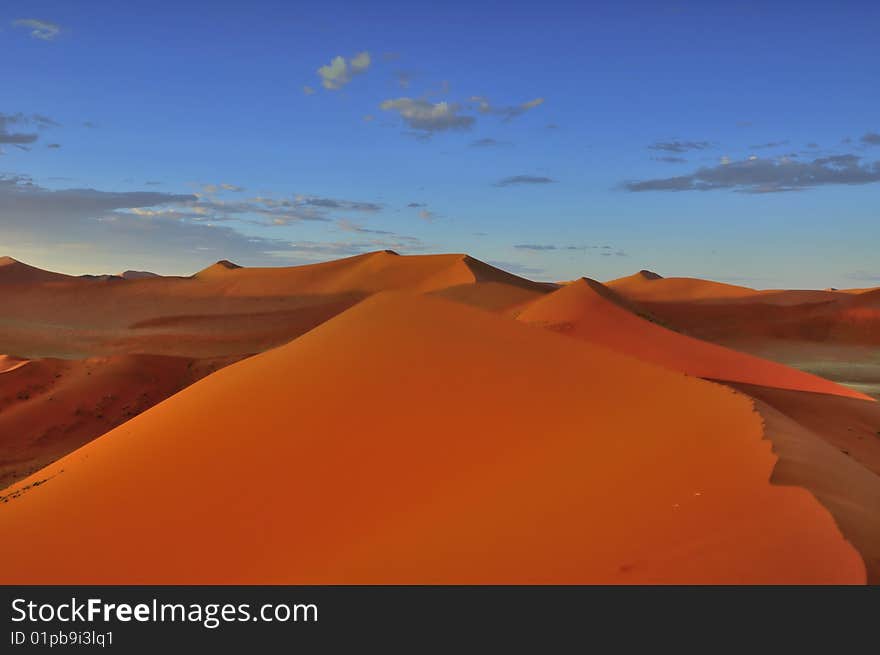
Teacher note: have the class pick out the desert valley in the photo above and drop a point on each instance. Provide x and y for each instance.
(434, 419)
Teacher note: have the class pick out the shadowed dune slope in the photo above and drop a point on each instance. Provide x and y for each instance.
(590, 311)
(811, 456)
(414, 440)
(50, 407)
(13, 271)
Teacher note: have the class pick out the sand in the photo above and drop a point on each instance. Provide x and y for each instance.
(588, 310)
(410, 439)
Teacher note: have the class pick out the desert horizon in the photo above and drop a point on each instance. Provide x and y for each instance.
(435, 407)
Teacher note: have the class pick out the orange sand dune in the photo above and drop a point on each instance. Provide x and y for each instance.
(829, 445)
(413, 440)
(646, 285)
(590, 311)
(226, 310)
(650, 287)
(50, 407)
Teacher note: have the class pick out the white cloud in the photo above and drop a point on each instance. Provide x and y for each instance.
(427, 116)
(340, 72)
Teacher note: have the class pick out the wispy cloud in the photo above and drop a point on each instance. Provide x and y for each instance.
(523, 179)
(340, 71)
(756, 175)
(670, 159)
(864, 276)
(769, 144)
(109, 223)
(216, 188)
(39, 29)
(506, 112)
(488, 142)
(871, 139)
(679, 146)
(20, 138)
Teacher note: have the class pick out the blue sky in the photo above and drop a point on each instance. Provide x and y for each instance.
(728, 140)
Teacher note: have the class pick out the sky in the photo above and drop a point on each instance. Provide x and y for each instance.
(735, 141)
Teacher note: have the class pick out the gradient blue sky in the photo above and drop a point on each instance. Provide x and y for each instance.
(575, 139)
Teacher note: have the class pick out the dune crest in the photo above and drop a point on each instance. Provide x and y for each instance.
(13, 271)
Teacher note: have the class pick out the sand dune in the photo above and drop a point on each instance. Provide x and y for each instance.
(590, 311)
(414, 440)
(646, 286)
(50, 407)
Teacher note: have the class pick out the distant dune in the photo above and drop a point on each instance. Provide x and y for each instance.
(413, 440)
(590, 311)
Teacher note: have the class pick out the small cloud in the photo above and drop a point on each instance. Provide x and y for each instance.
(333, 203)
(871, 139)
(552, 126)
(427, 116)
(426, 215)
(524, 179)
(152, 183)
(348, 226)
(417, 204)
(769, 144)
(54, 146)
(307, 90)
(404, 79)
(340, 71)
(507, 113)
(39, 29)
(671, 159)
(487, 143)
(679, 146)
(90, 125)
(534, 247)
(368, 118)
